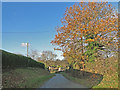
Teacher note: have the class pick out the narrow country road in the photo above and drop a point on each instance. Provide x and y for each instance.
(59, 81)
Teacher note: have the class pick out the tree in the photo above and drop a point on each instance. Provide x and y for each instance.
(48, 55)
(34, 54)
(43, 56)
(86, 28)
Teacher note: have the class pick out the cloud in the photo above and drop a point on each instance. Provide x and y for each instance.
(23, 44)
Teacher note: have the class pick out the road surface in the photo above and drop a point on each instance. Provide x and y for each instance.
(59, 81)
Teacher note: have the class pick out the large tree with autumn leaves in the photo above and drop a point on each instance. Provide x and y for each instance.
(86, 27)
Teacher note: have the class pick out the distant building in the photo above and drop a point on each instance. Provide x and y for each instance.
(59, 69)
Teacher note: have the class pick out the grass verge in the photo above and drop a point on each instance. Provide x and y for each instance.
(25, 78)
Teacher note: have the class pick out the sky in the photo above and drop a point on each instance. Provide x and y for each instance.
(32, 22)
(59, 0)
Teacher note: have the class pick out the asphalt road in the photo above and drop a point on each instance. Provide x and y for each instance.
(59, 81)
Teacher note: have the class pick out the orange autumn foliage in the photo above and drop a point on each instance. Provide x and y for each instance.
(86, 23)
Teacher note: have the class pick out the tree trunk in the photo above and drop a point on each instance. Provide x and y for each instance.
(82, 53)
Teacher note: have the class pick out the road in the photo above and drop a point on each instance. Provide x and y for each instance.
(59, 81)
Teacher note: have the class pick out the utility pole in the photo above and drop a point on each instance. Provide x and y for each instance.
(24, 45)
(27, 49)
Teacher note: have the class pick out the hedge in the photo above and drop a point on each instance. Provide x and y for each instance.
(10, 60)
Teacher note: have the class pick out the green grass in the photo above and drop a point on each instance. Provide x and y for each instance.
(36, 82)
(25, 78)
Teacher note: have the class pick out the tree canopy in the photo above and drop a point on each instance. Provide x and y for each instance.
(86, 28)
